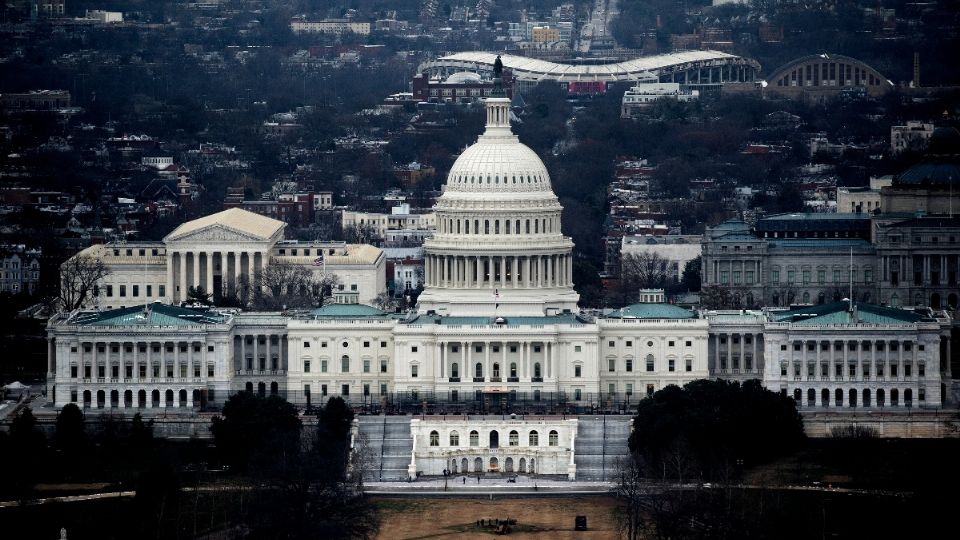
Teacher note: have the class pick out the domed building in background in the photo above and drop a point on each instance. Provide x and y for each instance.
(498, 248)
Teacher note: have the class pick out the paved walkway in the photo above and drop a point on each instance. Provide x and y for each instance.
(495, 484)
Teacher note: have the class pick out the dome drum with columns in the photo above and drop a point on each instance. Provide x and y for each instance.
(498, 248)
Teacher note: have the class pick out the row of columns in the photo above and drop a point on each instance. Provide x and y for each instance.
(197, 269)
(499, 271)
(846, 359)
(268, 351)
(526, 366)
(182, 365)
(716, 365)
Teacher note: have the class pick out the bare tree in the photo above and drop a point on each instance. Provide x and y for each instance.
(79, 276)
(715, 297)
(362, 233)
(281, 286)
(645, 270)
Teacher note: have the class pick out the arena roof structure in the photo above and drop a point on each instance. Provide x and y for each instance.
(693, 68)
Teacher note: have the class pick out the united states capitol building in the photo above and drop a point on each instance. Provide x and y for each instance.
(497, 330)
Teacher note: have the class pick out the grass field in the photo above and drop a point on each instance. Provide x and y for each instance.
(546, 517)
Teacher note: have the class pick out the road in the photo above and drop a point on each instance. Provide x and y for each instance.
(598, 25)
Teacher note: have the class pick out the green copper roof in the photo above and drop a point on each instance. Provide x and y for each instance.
(652, 311)
(839, 313)
(347, 311)
(155, 314)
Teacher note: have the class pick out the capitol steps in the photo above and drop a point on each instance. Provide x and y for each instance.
(389, 447)
(601, 444)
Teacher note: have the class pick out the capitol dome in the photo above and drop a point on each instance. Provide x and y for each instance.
(498, 248)
(497, 165)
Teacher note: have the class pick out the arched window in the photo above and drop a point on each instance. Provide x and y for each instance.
(517, 228)
(514, 438)
(508, 464)
(454, 438)
(528, 226)
(434, 438)
(853, 398)
(455, 370)
(908, 397)
(825, 398)
(536, 226)
(474, 438)
(554, 438)
(811, 397)
(866, 397)
(466, 226)
(838, 397)
(478, 465)
(894, 397)
(880, 397)
(496, 369)
(345, 363)
(478, 370)
(534, 439)
(486, 226)
(494, 439)
(476, 226)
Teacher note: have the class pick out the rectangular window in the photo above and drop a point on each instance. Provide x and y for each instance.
(821, 276)
(689, 365)
(306, 366)
(750, 277)
(306, 344)
(577, 394)
(671, 365)
(611, 365)
(109, 290)
(775, 276)
(907, 368)
(366, 365)
(149, 291)
(210, 370)
(576, 370)
(650, 364)
(736, 277)
(383, 366)
(323, 366)
(162, 289)
(413, 370)
(629, 389)
(724, 277)
(323, 390)
(836, 276)
(345, 364)
(806, 277)
(650, 390)
(73, 372)
(366, 389)
(136, 290)
(629, 364)
(791, 276)
(345, 390)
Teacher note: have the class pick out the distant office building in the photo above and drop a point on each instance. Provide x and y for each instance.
(912, 136)
(330, 26)
(459, 87)
(35, 100)
(643, 96)
(862, 199)
(19, 269)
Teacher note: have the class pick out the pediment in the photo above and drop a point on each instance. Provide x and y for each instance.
(214, 233)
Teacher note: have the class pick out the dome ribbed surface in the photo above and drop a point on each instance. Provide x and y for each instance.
(498, 164)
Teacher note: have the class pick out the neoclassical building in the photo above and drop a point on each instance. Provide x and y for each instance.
(224, 253)
(497, 329)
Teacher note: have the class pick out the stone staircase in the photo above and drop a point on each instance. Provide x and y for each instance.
(600, 444)
(389, 445)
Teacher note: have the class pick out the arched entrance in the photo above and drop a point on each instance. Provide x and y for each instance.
(463, 465)
(169, 398)
(522, 465)
(86, 399)
(494, 439)
(142, 399)
(508, 464)
(453, 466)
(274, 388)
(101, 398)
(494, 464)
(182, 394)
(533, 466)
(478, 465)
(262, 389)
(155, 398)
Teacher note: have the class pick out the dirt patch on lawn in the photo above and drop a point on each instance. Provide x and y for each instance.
(542, 517)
